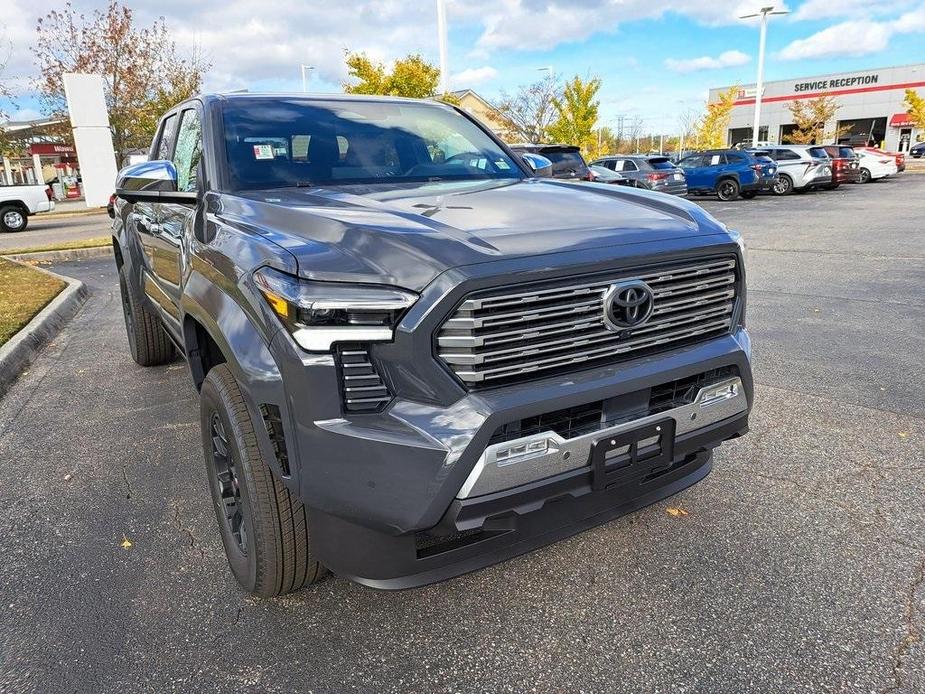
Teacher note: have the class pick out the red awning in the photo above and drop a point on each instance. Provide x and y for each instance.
(901, 120)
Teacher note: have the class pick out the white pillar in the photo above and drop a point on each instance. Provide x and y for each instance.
(37, 167)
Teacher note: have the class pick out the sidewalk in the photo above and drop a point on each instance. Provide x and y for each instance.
(74, 207)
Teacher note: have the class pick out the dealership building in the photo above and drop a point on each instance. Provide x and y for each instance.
(870, 106)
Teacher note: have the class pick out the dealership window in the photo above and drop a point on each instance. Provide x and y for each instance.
(862, 131)
(744, 135)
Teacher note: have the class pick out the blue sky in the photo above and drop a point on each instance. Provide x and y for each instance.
(654, 57)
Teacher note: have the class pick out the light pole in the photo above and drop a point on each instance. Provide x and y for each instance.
(305, 71)
(763, 13)
(441, 41)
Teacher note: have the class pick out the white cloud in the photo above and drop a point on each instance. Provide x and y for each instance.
(854, 37)
(472, 76)
(829, 9)
(706, 62)
(528, 24)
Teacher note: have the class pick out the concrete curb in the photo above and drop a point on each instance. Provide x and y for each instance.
(63, 255)
(21, 350)
(73, 213)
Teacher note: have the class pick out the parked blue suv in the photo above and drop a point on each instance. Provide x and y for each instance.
(728, 173)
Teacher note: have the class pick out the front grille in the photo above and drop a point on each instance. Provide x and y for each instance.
(506, 336)
(571, 422)
(363, 387)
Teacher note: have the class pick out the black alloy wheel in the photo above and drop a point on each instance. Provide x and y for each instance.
(228, 486)
(727, 190)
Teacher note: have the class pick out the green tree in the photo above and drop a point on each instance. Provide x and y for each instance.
(576, 114)
(915, 107)
(810, 117)
(711, 130)
(142, 70)
(411, 76)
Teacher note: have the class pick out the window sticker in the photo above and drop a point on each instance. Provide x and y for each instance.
(263, 151)
(501, 164)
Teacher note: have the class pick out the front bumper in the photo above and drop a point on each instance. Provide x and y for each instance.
(378, 485)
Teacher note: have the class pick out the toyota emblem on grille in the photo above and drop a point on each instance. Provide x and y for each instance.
(628, 304)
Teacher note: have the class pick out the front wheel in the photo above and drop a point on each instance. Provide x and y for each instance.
(12, 218)
(264, 528)
(865, 176)
(728, 189)
(749, 194)
(784, 186)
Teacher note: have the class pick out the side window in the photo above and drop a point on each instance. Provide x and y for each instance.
(786, 155)
(166, 142)
(630, 165)
(734, 158)
(188, 151)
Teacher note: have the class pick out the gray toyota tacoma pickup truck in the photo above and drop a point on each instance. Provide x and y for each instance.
(415, 356)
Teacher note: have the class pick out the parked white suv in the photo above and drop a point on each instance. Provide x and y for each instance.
(800, 167)
(18, 202)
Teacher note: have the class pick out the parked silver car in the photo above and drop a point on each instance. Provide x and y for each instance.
(799, 167)
(652, 172)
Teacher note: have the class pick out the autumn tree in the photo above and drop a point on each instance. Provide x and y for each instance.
(915, 107)
(711, 130)
(411, 76)
(576, 114)
(142, 70)
(528, 113)
(811, 116)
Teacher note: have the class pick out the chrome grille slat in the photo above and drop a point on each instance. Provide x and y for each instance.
(553, 345)
(506, 336)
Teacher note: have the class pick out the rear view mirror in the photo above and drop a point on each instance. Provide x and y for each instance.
(152, 181)
(539, 165)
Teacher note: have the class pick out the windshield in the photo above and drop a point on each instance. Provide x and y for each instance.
(275, 143)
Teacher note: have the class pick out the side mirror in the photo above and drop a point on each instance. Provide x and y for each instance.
(152, 181)
(539, 165)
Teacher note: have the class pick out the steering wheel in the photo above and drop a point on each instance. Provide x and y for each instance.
(465, 157)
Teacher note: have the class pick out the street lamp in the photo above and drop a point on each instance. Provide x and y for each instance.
(441, 41)
(763, 13)
(305, 70)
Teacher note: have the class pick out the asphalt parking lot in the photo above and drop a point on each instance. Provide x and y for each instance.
(798, 567)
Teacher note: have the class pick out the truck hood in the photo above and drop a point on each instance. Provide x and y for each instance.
(407, 234)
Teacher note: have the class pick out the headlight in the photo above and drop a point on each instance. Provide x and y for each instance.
(318, 314)
(743, 248)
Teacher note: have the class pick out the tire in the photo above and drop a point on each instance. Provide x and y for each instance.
(749, 194)
(865, 176)
(147, 341)
(784, 186)
(727, 189)
(13, 218)
(264, 528)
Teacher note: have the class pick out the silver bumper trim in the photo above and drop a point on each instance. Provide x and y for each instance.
(520, 461)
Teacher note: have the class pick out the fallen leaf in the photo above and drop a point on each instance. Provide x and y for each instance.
(67, 477)
(126, 543)
(903, 434)
(672, 511)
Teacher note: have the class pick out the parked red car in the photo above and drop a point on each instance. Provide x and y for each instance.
(845, 167)
(899, 156)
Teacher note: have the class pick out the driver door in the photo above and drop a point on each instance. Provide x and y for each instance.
(174, 221)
